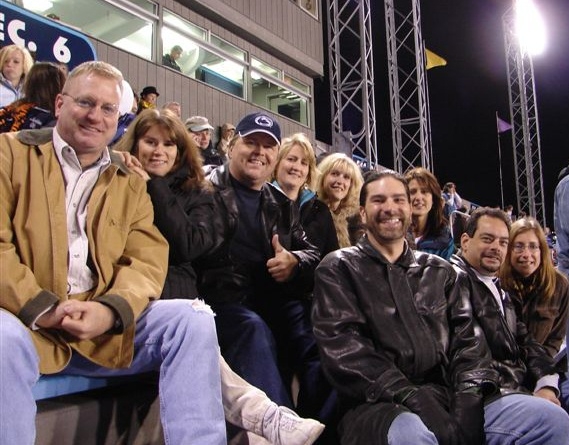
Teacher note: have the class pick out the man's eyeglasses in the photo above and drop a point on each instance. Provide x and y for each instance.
(520, 247)
(108, 110)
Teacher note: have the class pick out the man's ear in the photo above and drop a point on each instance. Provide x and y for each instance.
(464, 238)
(363, 214)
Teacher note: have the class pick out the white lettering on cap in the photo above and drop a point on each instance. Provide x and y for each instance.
(264, 121)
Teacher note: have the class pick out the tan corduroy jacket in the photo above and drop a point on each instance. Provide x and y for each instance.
(127, 252)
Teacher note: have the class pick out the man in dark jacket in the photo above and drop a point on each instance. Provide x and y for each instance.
(524, 366)
(254, 275)
(397, 336)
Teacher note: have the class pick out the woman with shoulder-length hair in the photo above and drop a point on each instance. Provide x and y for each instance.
(539, 292)
(295, 174)
(15, 63)
(429, 227)
(339, 187)
(170, 162)
(36, 108)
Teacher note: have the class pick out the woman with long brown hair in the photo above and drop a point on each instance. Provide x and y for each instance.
(169, 161)
(429, 228)
(539, 292)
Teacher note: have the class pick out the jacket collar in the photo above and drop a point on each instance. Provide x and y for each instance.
(406, 260)
(45, 135)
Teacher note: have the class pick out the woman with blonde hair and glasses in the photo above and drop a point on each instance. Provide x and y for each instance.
(540, 293)
(295, 175)
(339, 187)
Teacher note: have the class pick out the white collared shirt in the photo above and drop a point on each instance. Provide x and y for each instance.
(489, 282)
(79, 184)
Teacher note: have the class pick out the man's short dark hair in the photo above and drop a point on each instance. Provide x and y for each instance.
(375, 175)
(472, 222)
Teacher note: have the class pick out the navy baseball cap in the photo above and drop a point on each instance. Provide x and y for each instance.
(259, 123)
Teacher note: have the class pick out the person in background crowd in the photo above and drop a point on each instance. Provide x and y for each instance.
(509, 209)
(339, 186)
(396, 337)
(36, 109)
(148, 98)
(81, 267)
(540, 293)
(170, 60)
(226, 133)
(258, 278)
(561, 220)
(201, 129)
(528, 381)
(430, 229)
(561, 225)
(175, 107)
(127, 111)
(295, 174)
(15, 62)
(170, 163)
(452, 200)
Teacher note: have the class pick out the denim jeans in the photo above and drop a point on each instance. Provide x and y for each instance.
(524, 419)
(175, 337)
(514, 419)
(267, 345)
(564, 389)
(407, 428)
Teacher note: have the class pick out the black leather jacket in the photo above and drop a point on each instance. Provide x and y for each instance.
(384, 327)
(515, 355)
(222, 279)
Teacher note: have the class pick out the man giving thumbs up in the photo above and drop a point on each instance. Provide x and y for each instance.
(256, 279)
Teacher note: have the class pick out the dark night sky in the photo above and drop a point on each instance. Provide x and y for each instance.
(465, 95)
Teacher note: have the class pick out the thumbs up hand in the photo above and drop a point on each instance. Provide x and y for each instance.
(282, 265)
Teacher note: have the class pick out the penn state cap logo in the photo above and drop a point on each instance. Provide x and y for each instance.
(264, 121)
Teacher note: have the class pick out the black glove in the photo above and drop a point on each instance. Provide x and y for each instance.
(425, 403)
(468, 410)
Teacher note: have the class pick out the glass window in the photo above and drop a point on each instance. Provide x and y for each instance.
(220, 72)
(265, 68)
(279, 100)
(183, 26)
(129, 31)
(227, 47)
(201, 63)
(297, 84)
(310, 6)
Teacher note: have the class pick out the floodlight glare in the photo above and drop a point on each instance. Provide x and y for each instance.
(530, 27)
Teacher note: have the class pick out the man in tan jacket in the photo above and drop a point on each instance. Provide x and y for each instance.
(81, 262)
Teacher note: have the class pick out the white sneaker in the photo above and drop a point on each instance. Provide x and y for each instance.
(282, 426)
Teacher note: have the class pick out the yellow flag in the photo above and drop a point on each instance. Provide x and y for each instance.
(434, 60)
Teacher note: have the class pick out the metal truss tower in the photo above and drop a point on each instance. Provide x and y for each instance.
(525, 123)
(408, 86)
(351, 79)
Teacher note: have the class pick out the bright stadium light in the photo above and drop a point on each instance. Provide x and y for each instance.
(530, 27)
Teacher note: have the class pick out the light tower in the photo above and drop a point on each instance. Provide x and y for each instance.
(351, 78)
(407, 86)
(523, 106)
